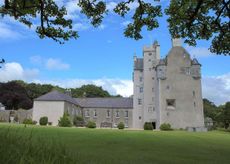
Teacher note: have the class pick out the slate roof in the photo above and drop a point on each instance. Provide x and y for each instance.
(88, 102)
(105, 102)
(138, 64)
(56, 96)
(195, 62)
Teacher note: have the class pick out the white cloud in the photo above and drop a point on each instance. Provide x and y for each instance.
(6, 32)
(199, 51)
(81, 26)
(56, 64)
(113, 86)
(125, 23)
(36, 59)
(49, 63)
(72, 9)
(217, 88)
(14, 71)
(111, 5)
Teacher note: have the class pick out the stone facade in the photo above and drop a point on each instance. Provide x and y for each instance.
(108, 115)
(167, 90)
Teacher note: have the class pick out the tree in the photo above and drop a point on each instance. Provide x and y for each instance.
(226, 115)
(192, 20)
(14, 96)
(89, 91)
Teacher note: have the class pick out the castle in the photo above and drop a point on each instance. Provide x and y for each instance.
(165, 91)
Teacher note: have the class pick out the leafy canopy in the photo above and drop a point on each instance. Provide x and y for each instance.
(192, 20)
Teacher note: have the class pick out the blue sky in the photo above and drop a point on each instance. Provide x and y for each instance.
(101, 56)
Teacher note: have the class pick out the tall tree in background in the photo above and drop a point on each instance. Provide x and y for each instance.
(192, 20)
(14, 96)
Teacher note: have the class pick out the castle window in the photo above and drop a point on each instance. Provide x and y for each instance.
(149, 60)
(139, 117)
(193, 93)
(139, 101)
(171, 104)
(95, 113)
(194, 104)
(87, 113)
(141, 89)
(141, 79)
(153, 108)
(152, 89)
(117, 114)
(108, 113)
(150, 54)
(153, 78)
(167, 87)
(126, 113)
(150, 109)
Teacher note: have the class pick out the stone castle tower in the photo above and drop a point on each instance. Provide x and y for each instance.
(167, 90)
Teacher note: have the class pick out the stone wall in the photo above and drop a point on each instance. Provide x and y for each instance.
(17, 115)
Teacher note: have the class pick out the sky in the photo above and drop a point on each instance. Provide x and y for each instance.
(100, 56)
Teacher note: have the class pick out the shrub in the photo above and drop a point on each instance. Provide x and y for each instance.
(91, 124)
(165, 126)
(148, 126)
(49, 123)
(35, 122)
(78, 121)
(28, 121)
(65, 121)
(43, 121)
(121, 125)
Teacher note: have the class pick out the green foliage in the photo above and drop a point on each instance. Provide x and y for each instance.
(14, 96)
(43, 121)
(53, 23)
(148, 126)
(73, 145)
(78, 121)
(195, 20)
(191, 20)
(89, 91)
(65, 121)
(18, 146)
(28, 121)
(121, 125)
(91, 124)
(165, 126)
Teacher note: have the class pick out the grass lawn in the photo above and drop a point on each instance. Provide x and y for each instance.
(35, 144)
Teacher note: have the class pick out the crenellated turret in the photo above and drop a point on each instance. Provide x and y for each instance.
(161, 70)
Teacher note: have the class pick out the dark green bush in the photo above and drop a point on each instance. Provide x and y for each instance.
(65, 121)
(43, 121)
(50, 123)
(165, 126)
(121, 125)
(91, 124)
(28, 121)
(148, 126)
(78, 121)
